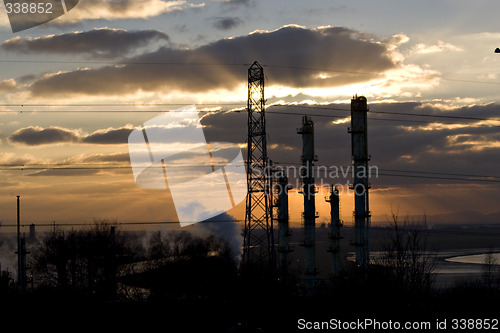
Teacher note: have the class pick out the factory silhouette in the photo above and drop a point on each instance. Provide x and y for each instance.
(259, 250)
(267, 197)
(197, 284)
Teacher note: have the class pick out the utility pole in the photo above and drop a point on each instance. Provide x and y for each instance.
(19, 260)
(21, 251)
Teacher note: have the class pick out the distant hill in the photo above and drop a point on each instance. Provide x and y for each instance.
(464, 217)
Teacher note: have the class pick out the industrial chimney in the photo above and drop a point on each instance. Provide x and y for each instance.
(309, 191)
(284, 231)
(360, 185)
(335, 225)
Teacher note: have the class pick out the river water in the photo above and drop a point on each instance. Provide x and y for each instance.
(475, 259)
(463, 265)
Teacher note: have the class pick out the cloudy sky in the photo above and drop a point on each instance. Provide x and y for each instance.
(73, 89)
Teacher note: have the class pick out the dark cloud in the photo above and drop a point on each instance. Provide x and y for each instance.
(120, 10)
(238, 2)
(109, 136)
(68, 172)
(104, 42)
(442, 145)
(223, 64)
(98, 158)
(450, 145)
(36, 136)
(226, 23)
(26, 78)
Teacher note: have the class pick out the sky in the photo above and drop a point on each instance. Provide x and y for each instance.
(73, 89)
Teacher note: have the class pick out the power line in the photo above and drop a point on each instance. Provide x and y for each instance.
(442, 173)
(103, 111)
(90, 224)
(323, 70)
(104, 62)
(167, 63)
(116, 223)
(269, 112)
(393, 113)
(416, 174)
(379, 73)
(207, 111)
(423, 174)
(433, 116)
(105, 166)
(112, 104)
(28, 168)
(440, 178)
(111, 167)
(384, 172)
(300, 114)
(225, 104)
(341, 117)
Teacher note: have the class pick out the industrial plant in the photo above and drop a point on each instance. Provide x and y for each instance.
(267, 189)
(277, 265)
(266, 234)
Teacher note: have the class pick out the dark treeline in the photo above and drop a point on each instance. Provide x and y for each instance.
(102, 275)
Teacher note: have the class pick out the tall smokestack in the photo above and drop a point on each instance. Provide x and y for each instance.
(360, 185)
(283, 228)
(32, 232)
(335, 225)
(309, 191)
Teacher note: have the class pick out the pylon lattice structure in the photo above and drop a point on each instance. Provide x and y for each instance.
(258, 240)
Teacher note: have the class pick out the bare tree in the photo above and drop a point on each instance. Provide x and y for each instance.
(86, 260)
(183, 244)
(407, 257)
(490, 269)
(158, 246)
